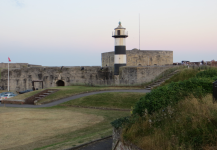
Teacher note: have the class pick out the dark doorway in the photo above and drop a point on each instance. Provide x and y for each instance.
(60, 83)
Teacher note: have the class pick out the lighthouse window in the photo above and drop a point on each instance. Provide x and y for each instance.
(119, 32)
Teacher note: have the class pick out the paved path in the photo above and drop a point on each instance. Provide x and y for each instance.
(70, 98)
(105, 144)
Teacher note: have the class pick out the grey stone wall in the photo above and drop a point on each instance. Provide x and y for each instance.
(17, 65)
(140, 58)
(13, 65)
(21, 79)
(141, 74)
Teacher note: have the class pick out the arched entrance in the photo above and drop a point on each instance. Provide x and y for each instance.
(60, 83)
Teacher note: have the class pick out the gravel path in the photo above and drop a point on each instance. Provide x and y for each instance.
(69, 98)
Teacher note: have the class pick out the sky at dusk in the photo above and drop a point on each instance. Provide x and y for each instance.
(76, 32)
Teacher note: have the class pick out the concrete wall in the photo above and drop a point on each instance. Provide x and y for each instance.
(140, 58)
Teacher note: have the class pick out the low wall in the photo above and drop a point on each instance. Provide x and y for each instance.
(5, 101)
(30, 100)
(117, 144)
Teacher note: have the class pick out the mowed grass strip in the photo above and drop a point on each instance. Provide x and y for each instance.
(117, 100)
(67, 91)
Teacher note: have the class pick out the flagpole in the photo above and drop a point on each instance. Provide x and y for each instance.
(8, 76)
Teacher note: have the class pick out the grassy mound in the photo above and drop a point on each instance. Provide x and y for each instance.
(183, 74)
(161, 105)
(107, 100)
(191, 124)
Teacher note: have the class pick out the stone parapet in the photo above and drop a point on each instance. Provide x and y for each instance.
(140, 57)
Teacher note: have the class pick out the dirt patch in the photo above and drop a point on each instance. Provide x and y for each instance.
(21, 126)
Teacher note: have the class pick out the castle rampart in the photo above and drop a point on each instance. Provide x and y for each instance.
(137, 57)
(21, 79)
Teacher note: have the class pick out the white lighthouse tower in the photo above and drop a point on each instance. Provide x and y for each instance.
(120, 48)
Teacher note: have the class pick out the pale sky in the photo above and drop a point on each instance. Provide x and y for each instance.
(76, 32)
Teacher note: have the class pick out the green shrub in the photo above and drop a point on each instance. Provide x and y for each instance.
(172, 93)
(212, 72)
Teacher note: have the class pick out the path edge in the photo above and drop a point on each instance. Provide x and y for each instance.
(85, 144)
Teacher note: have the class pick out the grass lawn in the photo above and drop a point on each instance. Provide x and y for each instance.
(53, 128)
(67, 91)
(62, 127)
(107, 100)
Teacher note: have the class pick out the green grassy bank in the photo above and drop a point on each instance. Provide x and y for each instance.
(67, 91)
(177, 115)
(107, 100)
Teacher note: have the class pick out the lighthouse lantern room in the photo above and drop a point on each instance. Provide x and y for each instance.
(120, 48)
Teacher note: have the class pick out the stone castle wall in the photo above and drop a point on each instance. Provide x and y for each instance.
(13, 65)
(17, 65)
(141, 74)
(137, 57)
(21, 79)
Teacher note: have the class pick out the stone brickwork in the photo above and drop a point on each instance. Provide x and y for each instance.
(137, 57)
(18, 65)
(21, 79)
(14, 65)
(141, 74)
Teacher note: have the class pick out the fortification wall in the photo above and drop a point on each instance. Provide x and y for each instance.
(137, 57)
(141, 74)
(18, 65)
(13, 65)
(21, 79)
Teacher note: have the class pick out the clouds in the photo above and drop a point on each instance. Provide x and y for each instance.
(18, 3)
(85, 27)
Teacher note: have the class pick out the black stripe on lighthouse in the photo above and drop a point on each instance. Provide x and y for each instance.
(120, 48)
(119, 58)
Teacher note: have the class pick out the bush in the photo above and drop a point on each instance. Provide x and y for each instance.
(212, 72)
(172, 93)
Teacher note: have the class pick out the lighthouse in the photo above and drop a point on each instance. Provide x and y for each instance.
(120, 48)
